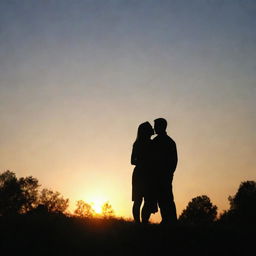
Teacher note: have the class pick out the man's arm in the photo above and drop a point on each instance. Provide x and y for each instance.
(175, 158)
(172, 157)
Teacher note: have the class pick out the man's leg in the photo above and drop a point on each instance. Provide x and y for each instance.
(173, 212)
(167, 205)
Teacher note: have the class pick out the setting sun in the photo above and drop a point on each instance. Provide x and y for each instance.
(97, 204)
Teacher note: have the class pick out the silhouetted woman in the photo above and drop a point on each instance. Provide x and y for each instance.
(142, 178)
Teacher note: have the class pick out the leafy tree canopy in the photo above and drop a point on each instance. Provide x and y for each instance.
(199, 210)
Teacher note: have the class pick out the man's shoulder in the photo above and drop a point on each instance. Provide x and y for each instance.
(171, 140)
(164, 139)
(170, 143)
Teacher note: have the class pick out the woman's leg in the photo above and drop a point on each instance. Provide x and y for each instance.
(136, 210)
(146, 212)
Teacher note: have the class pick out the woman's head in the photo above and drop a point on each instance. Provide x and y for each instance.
(145, 131)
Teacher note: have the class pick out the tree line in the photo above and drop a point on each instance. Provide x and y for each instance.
(23, 196)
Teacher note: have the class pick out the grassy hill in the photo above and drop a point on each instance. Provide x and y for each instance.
(62, 235)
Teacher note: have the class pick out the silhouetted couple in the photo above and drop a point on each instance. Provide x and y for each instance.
(155, 162)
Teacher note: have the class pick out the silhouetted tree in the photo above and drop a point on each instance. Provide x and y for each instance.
(17, 195)
(242, 204)
(53, 201)
(199, 210)
(29, 187)
(107, 210)
(11, 197)
(83, 209)
(245, 198)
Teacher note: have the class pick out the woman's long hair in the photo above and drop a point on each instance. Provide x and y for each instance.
(145, 130)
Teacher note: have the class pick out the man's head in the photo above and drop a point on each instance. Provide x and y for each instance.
(160, 125)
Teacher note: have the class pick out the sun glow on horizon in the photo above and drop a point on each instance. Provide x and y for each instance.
(97, 203)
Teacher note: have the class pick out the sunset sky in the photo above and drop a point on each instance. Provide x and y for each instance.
(78, 77)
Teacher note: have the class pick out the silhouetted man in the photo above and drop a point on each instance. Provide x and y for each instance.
(165, 162)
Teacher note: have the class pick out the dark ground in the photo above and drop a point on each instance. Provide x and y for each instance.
(61, 235)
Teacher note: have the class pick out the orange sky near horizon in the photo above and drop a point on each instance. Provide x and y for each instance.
(76, 80)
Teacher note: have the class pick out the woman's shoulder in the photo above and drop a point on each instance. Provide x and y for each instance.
(135, 144)
(142, 143)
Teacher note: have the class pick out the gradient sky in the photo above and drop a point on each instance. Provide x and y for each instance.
(78, 77)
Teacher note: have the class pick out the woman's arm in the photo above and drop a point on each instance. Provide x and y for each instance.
(134, 156)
